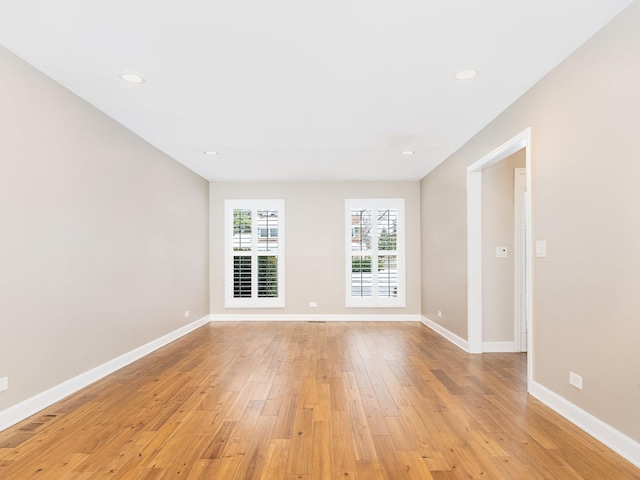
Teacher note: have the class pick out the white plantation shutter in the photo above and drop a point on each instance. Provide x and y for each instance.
(241, 276)
(387, 235)
(254, 246)
(375, 253)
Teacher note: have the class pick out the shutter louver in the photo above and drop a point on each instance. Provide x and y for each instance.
(242, 277)
(267, 276)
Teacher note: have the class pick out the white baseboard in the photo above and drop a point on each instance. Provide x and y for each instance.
(612, 438)
(452, 337)
(33, 405)
(292, 317)
(499, 347)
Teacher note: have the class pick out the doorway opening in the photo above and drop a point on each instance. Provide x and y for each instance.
(474, 251)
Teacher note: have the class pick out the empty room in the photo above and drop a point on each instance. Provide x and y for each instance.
(319, 240)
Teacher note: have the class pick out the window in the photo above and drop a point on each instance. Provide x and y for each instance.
(254, 251)
(375, 253)
(266, 232)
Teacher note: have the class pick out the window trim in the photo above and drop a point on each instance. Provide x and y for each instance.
(375, 301)
(254, 301)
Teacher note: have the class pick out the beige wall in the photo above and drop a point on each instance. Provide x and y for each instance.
(104, 240)
(585, 172)
(498, 274)
(314, 248)
(444, 246)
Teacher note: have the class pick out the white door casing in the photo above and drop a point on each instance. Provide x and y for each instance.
(474, 242)
(520, 258)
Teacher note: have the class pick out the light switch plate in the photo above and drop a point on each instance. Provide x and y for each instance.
(575, 380)
(501, 252)
(541, 248)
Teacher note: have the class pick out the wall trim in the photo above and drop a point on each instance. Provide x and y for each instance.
(329, 317)
(16, 413)
(452, 337)
(499, 347)
(612, 438)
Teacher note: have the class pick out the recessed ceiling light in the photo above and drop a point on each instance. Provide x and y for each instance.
(467, 74)
(210, 152)
(408, 152)
(132, 78)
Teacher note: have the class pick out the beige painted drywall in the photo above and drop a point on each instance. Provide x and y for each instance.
(585, 171)
(314, 248)
(498, 274)
(444, 246)
(104, 241)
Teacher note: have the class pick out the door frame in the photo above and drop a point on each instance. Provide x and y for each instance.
(474, 242)
(520, 258)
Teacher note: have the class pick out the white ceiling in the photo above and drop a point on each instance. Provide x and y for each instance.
(298, 89)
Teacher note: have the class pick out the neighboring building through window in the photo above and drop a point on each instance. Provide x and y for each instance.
(375, 253)
(254, 253)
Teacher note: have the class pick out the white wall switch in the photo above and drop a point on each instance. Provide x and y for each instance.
(575, 380)
(313, 304)
(4, 384)
(541, 248)
(186, 313)
(439, 313)
(501, 252)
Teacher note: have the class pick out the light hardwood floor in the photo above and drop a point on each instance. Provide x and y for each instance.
(306, 401)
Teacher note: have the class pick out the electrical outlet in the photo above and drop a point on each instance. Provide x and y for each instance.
(575, 380)
(4, 384)
(313, 304)
(439, 313)
(186, 313)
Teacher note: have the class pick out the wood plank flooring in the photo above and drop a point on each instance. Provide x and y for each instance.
(307, 401)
